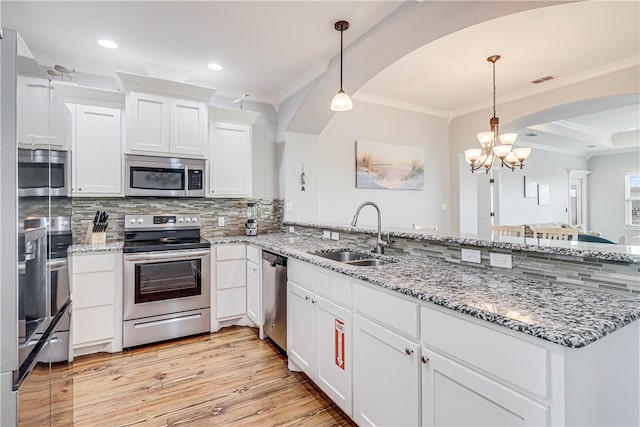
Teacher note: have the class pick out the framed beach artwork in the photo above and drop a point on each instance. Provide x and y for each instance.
(389, 166)
(543, 195)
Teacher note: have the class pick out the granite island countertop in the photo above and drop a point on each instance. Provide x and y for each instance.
(91, 249)
(563, 314)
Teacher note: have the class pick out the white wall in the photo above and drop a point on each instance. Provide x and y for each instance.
(550, 169)
(300, 148)
(338, 197)
(605, 186)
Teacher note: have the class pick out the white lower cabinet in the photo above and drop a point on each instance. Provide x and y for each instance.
(386, 376)
(97, 302)
(230, 281)
(254, 290)
(333, 363)
(300, 340)
(454, 395)
(319, 332)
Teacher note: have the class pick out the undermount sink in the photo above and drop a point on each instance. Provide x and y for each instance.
(369, 262)
(343, 256)
(354, 258)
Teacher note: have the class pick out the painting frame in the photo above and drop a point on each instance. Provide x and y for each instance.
(530, 187)
(543, 195)
(387, 166)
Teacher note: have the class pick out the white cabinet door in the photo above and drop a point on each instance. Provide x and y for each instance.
(188, 127)
(454, 395)
(300, 339)
(231, 302)
(230, 160)
(386, 376)
(148, 120)
(333, 359)
(231, 274)
(97, 151)
(254, 294)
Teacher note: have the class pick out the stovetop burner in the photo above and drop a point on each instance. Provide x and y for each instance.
(166, 232)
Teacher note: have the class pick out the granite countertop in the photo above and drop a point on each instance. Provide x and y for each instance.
(601, 251)
(107, 247)
(563, 314)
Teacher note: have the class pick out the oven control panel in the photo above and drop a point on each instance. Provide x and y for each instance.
(163, 221)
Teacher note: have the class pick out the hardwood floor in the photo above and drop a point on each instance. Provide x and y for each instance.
(229, 378)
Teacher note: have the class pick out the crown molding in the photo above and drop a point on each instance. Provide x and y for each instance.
(137, 82)
(74, 94)
(232, 115)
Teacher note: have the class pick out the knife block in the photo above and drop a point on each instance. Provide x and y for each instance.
(95, 239)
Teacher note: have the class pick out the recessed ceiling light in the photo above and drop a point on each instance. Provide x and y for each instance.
(107, 44)
(214, 67)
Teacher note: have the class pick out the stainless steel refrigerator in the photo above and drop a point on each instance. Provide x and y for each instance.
(35, 315)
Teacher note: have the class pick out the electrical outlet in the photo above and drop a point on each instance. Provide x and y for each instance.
(471, 255)
(220, 221)
(444, 206)
(326, 234)
(500, 260)
(289, 207)
(335, 235)
(291, 229)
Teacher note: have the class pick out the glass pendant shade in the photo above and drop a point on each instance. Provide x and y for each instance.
(485, 137)
(341, 102)
(521, 153)
(472, 155)
(508, 138)
(511, 158)
(502, 150)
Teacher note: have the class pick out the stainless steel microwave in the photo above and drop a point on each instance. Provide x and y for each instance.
(154, 176)
(44, 173)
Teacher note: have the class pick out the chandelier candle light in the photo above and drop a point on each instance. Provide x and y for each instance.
(341, 102)
(509, 156)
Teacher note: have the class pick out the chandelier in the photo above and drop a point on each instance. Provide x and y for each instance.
(496, 145)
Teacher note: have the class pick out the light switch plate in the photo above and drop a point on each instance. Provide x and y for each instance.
(471, 255)
(326, 234)
(289, 207)
(220, 221)
(500, 260)
(292, 229)
(335, 235)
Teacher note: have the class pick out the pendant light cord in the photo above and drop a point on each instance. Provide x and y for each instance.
(494, 89)
(341, 33)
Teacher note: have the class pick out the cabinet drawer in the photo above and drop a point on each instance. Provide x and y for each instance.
(231, 274)
(400, 314)
(225, 252)
(332, 286)
(93, 289)
(93, 324)
(516, 361)
(91, 263)
(300, 273)
(231, 303)
(253, 254)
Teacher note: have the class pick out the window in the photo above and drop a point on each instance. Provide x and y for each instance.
(632, 199)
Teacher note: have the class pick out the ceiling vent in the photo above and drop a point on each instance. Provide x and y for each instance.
(541, 80)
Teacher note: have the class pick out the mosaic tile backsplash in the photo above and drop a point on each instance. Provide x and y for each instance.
(617, 277)
(234, 212)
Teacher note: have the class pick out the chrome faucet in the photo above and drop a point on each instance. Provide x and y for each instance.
(380, 244)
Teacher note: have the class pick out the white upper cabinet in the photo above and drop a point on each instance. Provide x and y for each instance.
(97, 151)
(163, 125)
(147, 122)
(165, 118)
(230, 152)
(230, 161)
(42, 118)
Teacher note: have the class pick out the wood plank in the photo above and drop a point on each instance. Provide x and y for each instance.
(226, 378)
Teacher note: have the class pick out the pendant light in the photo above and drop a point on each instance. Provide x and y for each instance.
(342, 101)
(484, 157)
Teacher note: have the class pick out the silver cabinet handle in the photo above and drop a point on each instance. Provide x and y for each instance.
(424, 359)
(313, 301)
(408, 351)
(306, 298)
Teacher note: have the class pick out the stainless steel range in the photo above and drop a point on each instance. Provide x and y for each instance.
(167, 275)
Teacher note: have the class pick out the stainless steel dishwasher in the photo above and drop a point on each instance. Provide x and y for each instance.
(274, 298)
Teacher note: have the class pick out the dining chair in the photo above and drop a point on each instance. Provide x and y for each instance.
(431, 227)
(508, 230)
(555, 233)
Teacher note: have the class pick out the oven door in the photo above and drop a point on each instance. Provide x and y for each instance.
(166, 282)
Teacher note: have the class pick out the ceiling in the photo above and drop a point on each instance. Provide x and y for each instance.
(271, 49)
